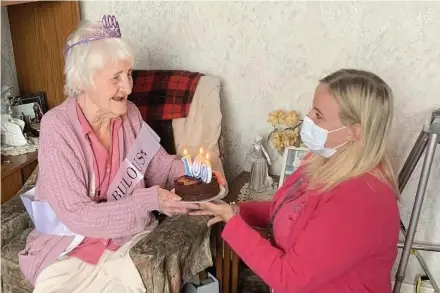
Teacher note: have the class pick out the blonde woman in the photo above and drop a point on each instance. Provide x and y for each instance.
(335, 222)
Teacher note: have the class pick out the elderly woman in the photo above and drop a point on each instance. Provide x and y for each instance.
(335, 221)
(102, 172)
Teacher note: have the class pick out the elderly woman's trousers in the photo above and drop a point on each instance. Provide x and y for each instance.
(114, 273)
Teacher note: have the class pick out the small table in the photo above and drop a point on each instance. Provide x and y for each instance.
(227, 267)
(15, 171)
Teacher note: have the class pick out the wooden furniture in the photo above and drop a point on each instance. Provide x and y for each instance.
(226, 263)
(7, 2)
(15, 170)
(39, 30)
(227, 260)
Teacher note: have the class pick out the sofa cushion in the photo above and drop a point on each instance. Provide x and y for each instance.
(11, 273)
(14, 219)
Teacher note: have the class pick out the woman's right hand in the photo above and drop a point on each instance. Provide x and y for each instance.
(171, 204)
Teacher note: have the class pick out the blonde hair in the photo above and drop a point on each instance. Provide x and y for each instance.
(366, 100)
(83, 60)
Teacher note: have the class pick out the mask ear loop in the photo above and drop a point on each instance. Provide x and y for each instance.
(342, 144)
(334, 130)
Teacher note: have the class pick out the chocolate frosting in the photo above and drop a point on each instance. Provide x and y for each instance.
(194, 189)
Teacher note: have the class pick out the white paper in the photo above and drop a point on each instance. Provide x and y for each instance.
(43, 216)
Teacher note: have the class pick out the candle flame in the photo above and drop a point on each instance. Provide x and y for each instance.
(185, 152)
(201, 150)
(207, 156)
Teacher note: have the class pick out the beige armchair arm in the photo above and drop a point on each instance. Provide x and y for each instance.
(176, 250)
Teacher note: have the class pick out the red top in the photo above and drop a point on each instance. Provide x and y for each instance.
(341, 241)
(106, 166)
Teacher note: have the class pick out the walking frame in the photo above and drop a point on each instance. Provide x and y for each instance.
(428, 139)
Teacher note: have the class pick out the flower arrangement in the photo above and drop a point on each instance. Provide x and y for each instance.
(286, 131)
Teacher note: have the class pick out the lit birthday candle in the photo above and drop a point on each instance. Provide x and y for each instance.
(206, 173)
(202, 168)
(197, 164)
(187, 163)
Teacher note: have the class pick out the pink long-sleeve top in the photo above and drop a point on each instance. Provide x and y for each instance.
(65, 165)
(341, 241)
(106, 165)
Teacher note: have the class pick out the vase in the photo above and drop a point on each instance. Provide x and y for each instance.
(276, 160)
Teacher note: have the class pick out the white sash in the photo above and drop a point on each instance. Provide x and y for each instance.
(130, 173)
(133, 168)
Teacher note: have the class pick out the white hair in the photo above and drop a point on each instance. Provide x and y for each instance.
(84, 59)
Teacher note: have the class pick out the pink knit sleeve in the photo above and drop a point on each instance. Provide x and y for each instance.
(62, 182)
(163, 169)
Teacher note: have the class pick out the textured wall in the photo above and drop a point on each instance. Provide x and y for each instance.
(270, 55)
(8, 71)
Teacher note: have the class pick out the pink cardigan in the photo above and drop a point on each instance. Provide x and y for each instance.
(105, 168)
(65, 162)
(342, 241)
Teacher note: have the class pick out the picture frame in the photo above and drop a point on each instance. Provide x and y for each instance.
(24, 104)
(292, 159)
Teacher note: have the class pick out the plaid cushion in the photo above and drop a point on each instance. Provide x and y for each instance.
(163, 94)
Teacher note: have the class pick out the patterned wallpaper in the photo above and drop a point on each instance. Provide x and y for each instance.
(8, 71)
(270, 55)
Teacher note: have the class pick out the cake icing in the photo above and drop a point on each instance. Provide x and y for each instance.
(194, 189)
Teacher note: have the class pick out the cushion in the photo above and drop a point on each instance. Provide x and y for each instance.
(11, 273)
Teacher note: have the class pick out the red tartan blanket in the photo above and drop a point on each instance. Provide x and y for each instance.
(163, 94)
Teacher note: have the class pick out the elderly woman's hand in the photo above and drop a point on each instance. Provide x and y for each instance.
(218, 208)
(170, 203)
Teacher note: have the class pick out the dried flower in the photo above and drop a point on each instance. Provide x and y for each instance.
(286, 132)
(291, 119)
(277, 141)
(276, 117)
(290, 133)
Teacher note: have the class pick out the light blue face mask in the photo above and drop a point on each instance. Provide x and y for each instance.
(315, 137)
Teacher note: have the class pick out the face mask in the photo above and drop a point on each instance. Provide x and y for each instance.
(315, 137)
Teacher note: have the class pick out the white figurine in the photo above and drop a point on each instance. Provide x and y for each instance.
(12, 131)
(260, 178)
(11, 128)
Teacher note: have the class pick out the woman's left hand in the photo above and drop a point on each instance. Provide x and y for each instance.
(219, 209)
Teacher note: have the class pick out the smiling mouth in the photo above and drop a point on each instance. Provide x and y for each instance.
(119, 99)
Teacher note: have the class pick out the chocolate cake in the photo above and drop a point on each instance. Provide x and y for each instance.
(194, 189)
